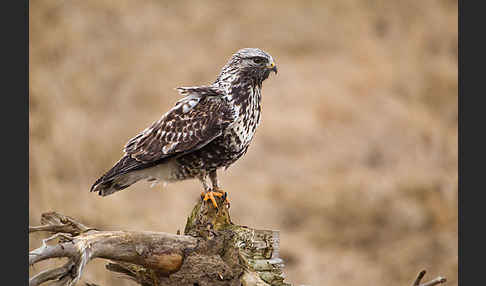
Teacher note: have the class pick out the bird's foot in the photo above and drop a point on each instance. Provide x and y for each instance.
(215, 193)
(225, 196)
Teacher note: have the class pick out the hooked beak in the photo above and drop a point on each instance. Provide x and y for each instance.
(272, 67)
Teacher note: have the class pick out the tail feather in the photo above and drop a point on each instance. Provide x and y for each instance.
(126, 173)
(108, 187)
(119, 177)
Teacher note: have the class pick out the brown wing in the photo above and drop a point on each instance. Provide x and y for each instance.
(192, 123)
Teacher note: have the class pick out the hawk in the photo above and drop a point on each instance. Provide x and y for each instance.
(210, 128)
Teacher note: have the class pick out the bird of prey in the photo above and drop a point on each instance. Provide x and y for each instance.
(210, 128)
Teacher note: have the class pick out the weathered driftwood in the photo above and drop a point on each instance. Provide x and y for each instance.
(212, 251)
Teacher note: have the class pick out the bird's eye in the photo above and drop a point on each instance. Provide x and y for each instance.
(258, 60)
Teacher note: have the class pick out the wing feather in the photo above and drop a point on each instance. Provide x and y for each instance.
(193, 122)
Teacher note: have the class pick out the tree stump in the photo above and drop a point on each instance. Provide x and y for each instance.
(212, 251)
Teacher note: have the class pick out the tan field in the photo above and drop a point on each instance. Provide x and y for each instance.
(355, 160)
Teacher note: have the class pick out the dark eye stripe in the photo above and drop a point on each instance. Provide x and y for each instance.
(258, 60)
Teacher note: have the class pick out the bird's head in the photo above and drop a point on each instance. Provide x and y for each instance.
(252, 62)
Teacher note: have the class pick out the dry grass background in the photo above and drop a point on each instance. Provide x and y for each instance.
(355, 160)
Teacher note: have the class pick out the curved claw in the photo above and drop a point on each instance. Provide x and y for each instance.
(225, 198)
(224, 195)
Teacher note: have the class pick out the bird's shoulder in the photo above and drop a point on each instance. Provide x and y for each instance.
(201, 100)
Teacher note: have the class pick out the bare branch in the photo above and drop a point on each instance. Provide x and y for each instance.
(436, 281)
(160, 251)
(47, 252)
(55, 222)
(419, 278)
(52, 274)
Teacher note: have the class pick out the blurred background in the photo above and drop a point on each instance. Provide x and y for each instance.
(355, 159)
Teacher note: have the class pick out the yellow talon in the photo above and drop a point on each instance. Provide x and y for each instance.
(211, 194)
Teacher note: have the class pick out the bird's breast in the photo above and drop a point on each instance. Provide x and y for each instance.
(241, 132)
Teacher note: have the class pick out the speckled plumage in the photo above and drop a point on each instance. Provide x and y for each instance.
(210, 128)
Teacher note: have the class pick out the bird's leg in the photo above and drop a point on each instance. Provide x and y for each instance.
(213, 176)
(208, 193)
(205, 184)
